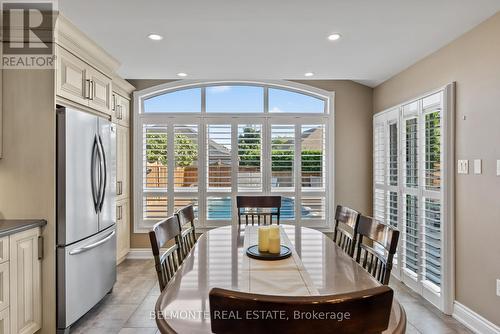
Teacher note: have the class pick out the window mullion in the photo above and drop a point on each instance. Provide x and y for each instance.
(234, 164)
(297, 173)
(171, 166)
(202, 172)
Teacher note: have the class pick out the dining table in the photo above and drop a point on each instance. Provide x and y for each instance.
(218, 259)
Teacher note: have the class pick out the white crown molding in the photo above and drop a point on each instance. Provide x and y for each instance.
(75, 41)
(122, 86)
(473, 321)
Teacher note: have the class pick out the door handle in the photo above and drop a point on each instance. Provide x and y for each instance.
(93, 175)
(92, 89)
(119, 190)
(87, 89)
(119, 213)
(104, 173)
(92, 245)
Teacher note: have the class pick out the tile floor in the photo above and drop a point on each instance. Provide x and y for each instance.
(127, 309)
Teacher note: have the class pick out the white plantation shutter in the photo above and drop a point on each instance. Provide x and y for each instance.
(408, 178)
(155, 173)
(385, 166)
(186, 157)
(282, 157)
(312, 171)
(249, 157)
(219, 162)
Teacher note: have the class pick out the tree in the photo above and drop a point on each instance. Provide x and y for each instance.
(249, 147)
(186, 152)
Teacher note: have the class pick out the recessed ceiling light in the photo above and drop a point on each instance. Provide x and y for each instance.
(155, 37)
(334, 37)
(308, 74)
(182, 74)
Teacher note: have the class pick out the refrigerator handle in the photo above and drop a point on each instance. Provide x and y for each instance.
(93, 175)
(93, 245)
(104, 173)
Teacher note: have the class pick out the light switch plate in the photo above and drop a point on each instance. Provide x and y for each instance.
(498, 167)
(498, 287)
(463, 166)
(478, 166)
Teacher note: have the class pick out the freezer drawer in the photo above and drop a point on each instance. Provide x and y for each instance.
(86, 271)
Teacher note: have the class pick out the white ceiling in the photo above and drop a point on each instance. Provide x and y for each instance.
(272, 39)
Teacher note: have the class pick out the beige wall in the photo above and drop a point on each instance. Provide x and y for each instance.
(27, 169)
(473, 61)
(353, 144)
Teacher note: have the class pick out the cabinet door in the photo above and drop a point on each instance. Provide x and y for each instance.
(122, 162)
(71, 77)
(4, 249)
(122, 110)
(4, 322)
(4, 285)
(100, 91)
(122, 230)
(25, 291)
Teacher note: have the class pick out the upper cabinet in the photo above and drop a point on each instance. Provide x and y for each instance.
(121, 109)
(79, 82)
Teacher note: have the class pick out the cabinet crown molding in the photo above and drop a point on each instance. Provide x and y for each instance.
(74, 40)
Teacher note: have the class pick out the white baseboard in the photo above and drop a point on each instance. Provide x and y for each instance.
(473, 321)
(140, 254)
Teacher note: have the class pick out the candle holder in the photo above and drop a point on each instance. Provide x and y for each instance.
(254, 253)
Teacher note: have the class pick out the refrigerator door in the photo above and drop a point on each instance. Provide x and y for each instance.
(107, 203)
(76, 176)
(86, 272)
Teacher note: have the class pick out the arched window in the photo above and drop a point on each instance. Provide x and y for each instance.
(206, 142)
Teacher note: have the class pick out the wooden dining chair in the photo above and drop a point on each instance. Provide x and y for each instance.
(346, 223)
(166, 233)
(377, 245)
(259, 207)
(366, 311)
(186, 219)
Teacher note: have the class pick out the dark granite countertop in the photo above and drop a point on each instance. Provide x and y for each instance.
(11, 226)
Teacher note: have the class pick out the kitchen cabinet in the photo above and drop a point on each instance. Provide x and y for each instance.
(25, 282)
(121, 110)
(4, 321)
(122, 230)
(122, 162)
(79, 82)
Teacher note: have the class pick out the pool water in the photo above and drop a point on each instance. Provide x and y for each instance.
(220, 208)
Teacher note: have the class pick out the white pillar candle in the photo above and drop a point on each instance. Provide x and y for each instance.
(263, 239)
(274, 244)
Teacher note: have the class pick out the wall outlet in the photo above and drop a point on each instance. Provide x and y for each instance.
(478, 166)
(463, 166)
(498, 287)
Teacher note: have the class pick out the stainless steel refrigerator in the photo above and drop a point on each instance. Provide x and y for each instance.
(86, 213)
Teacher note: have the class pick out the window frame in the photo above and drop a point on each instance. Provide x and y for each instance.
(203, 118)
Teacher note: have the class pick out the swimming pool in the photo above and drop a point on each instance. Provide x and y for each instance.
(219, 208)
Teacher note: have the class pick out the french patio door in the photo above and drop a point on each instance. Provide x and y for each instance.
(413, 191)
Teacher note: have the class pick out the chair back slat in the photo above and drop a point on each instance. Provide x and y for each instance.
(368, 312)
(162, 235)
(248, 208)
(346, 223)
(186, 219)
(377, 244)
